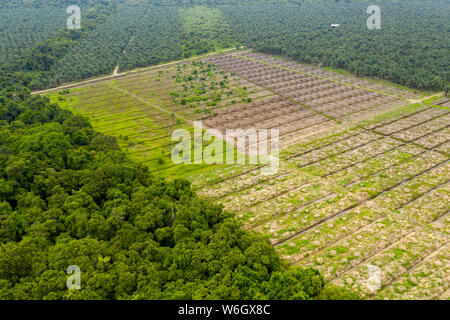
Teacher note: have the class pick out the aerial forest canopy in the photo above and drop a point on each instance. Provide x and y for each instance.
(411, 48)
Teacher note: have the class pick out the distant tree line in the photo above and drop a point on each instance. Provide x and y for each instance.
(411, 48)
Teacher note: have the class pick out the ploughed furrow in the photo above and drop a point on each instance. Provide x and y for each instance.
(196, 159)
(444, 148)
(410, 151)
(398, 175)
(267, 76)
(413, 180)
(309, 133)
(277, 116)
(324, 74)
(231, 91)
(156, 91)
(306, 148)
(333, 149)
(303, 88)
(128, 110)
(356, 248)
(294, 83)
(262, 192)
(252, 72)
(349, 140)
(348, 176)
(147, 127)
(291, 224)
(323, 93)
(368, 111)
(374, 159)
(104, 103)
(343, 108)
(442, 101)
(429, 206)
(416, 132)
(339, 94)
(286, 203)
(361, 107)
(395, 261)
(416, 188)
(351, 157)
(396, 183)
(96, 93)
(320, 100)
(352, 98)
(308, 243)
(168, 81)
(116, 118)
(428, 280)
(409, 122)
(266, 107)
(101, 107)
(441, 220)
(243, 182)
(223, 173)
(400, 115)
(435, 138)
(295, 125)
(286, 124)
(131, 111)
(434, 202)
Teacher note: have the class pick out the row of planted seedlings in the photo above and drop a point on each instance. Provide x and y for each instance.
(364, 108)
(359, 246)
(424, 129)
(347, 78)
(350, 157)
(397, 175)
(427, 281)
(200, 96)
(317, 239)
(295, 212)
(396, 261)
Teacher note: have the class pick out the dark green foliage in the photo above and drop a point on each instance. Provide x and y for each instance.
(23, 28)
(411, 48)
(34, 39)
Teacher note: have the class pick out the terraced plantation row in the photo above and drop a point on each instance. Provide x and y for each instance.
(368, 84)
(364, 170)
(374, 195)
(336, 99)
(143, 110)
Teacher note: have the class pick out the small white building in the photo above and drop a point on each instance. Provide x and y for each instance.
(335, 26)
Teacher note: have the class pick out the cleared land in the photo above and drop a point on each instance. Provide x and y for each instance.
(364, 175)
